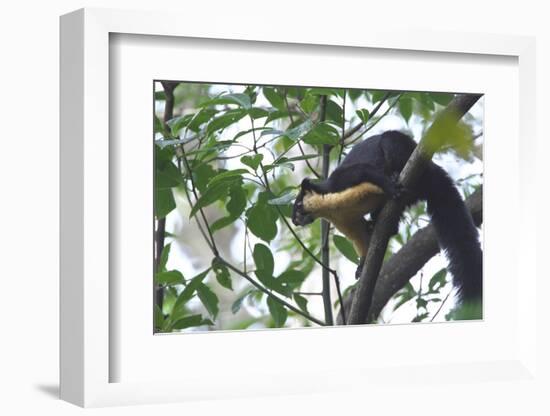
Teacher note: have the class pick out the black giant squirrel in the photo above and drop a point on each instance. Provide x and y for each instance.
(367, 177)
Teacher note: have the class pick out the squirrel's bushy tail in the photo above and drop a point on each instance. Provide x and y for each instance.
(456, 232)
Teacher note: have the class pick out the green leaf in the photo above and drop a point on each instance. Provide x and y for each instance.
(257, 112)
(334, 112)
(274, 98)
(188, 322)
(225, 175)
(446, 132)
(355, 93)
(421, 303)
(277, 311)
(322, 133)
(159, 318)
(162, 155)
(242, 100)
(252, 161)
(326, 91)
(235, 207)
(178, 123)
(427, 101)
(405, 295)
(237, 203)
(164, 202)
(236, 306)
(295, 158)
(363, 115)
(263, 260)
(179, 306)
(208, 299)
(301, 302)
(211, 195)
(466, 311)
(438, 280)
(222, 223)
(377, 95)
(170, 142)
(310, 103)
(157, 125)
(170, 296)
(202, 175)
(225, 120)
(421, 317)
(222, 274)
(346, 248)
(270, 132)
(297, 132)
(280, 165)
(262, 221)
(441, 98)
(292, 278)
(405, 108)
(168, 176)
(275, 115)
(160, 95)
(264, 270)
(172, 277)
(284, 199)
(203, 116)
(164, 257)
(262, 130)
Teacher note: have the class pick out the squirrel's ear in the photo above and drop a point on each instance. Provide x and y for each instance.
(306, 184)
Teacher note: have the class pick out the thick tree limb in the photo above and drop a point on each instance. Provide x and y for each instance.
(168, 87)
(406, 263)
(389, 217)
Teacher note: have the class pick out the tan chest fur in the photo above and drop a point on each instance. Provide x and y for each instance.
(352, 202)
(346, 209)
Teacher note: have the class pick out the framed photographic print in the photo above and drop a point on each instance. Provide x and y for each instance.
(233, 158)
(238, 212)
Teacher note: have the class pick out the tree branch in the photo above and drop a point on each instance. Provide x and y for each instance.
(299, 144)
(270, 294)
(358, 127)
(389, 217)
(168, 87)
(405, 263)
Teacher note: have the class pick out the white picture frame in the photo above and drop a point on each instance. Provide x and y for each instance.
(86, 355)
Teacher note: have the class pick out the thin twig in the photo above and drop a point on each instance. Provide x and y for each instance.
(342, 139)
(199, 225)
(310, 293)
(325, 253)
(441, 306)
(269, 293)
(371, 126)
(244, 245)
(194, 190)
(358, 127)
(340, 299)
(299, 144)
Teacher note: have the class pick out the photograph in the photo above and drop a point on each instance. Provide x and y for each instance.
(286, 206)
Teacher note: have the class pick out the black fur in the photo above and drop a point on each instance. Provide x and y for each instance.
(379, 160)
